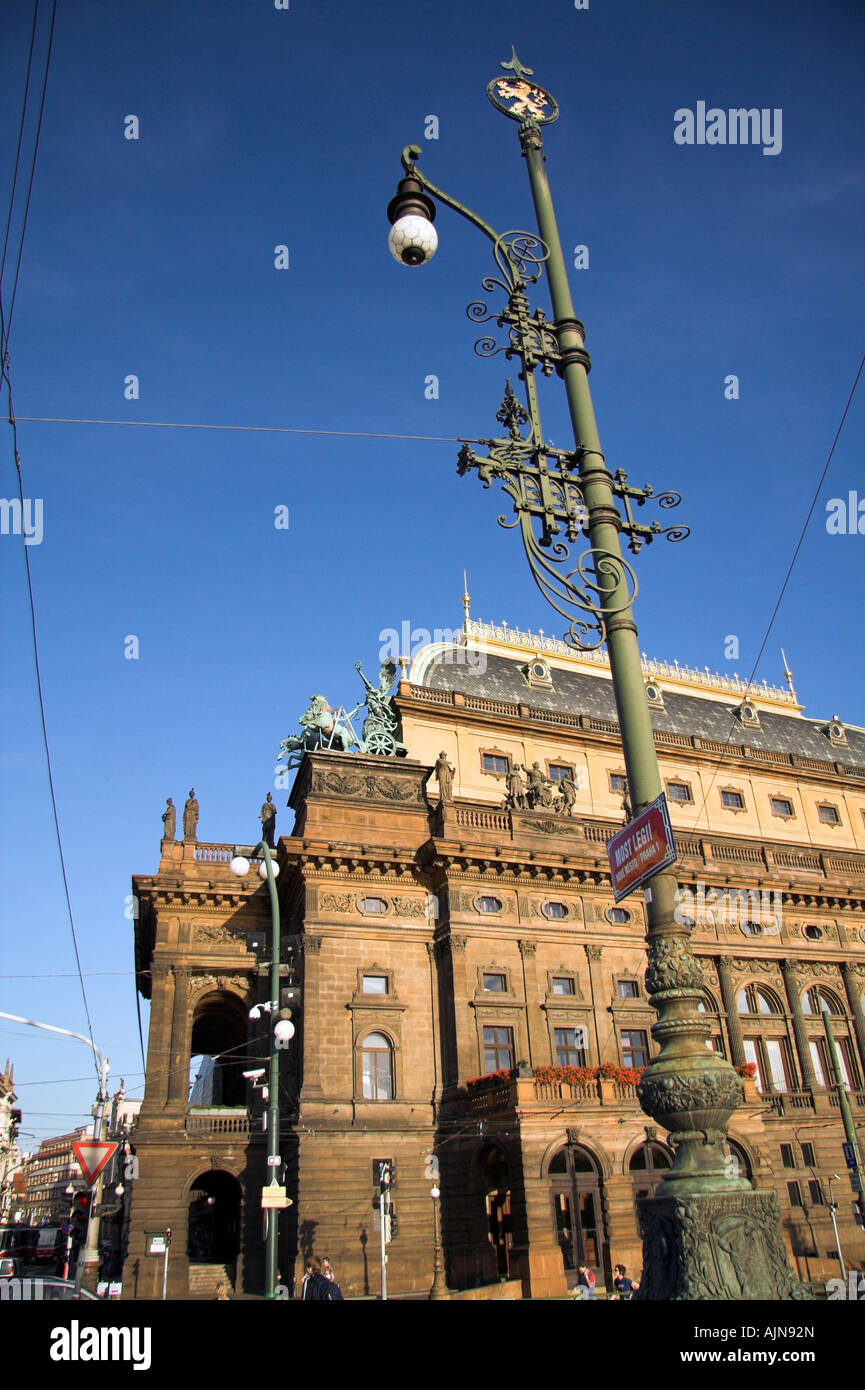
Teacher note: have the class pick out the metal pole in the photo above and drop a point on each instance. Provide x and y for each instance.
(89, 1256)
(439, 1284)
(382, 1213)
(832, 1206)
(273, 1151)
(846, 1114)
(165, 1271)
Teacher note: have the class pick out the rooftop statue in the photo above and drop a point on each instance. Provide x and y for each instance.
(322, 728)
(378, 734)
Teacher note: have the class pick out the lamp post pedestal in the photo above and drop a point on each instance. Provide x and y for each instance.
(439, 1287)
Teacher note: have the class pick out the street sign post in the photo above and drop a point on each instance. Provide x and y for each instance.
(274, 1197)
(92, 1156)
(641, 849)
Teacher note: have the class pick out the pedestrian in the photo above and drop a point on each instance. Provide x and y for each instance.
(623, 1286)
(586, 1282)
(222, 1293)
(316, 1286)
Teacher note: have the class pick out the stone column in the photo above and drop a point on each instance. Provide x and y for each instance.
(465, 1024)
(593, 955)
(435, 1029)
(537, 1048)
(159, 1041)
(181, 1029)
(312, 1015)
(854, 985)
(793, 987)
(734, 1025)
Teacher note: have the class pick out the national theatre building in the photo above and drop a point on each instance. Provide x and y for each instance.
(469, 1001)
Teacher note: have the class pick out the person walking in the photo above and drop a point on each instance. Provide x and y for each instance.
(316, 1286)
(623, 1286)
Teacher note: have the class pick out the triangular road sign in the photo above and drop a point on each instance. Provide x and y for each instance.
(92, 1155)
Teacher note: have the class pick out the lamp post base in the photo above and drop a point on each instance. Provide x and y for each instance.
(719, 1247)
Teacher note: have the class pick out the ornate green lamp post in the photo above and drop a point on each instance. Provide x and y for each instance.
(707, 1233)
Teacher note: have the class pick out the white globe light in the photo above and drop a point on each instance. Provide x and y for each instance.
(239, 866)
(435, 1193)
(262, 869)
(283, 1030)
(413, 240)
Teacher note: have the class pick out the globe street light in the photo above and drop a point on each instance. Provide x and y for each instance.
(439, 1287)
(707, 1233)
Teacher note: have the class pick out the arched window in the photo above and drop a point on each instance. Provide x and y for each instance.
(377, 1067)
(739, 1165)
(708, 1006)
(816, 1000)
(753, 1000)
(648, 1165)
(579, 1221)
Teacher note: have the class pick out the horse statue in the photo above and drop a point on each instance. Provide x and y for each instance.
(321, 729)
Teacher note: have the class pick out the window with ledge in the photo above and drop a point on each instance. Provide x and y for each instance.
(487, 904)
(570, 1047)
(815, 1191)
(828, 814)
(375, 984)
(772, 1059)
(559, 771)
(732, 800)
(564, 984)
(377, 1067)
(495, 983)
(794, 1193)
(627, 989)
(498, 1049)
(781, 806)
(555, 910)
(679, 791)
(496, 763)
(635, 1047)
(372, 905)
(807, 1155)
(787, 1159)
(618, 782)
(815, 1000)
(618, 915)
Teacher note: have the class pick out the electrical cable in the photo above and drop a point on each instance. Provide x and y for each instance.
(249, 429)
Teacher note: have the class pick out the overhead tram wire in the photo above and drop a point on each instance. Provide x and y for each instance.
(723, 757)
(247, 429)
(6, 321)
(14, 186)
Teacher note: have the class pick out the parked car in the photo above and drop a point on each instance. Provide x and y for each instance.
(53, 1289)
(9, 1267)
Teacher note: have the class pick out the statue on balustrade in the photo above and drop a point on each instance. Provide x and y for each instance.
(169, 820)
(378, 734)
(515, 799)
(541, 789)
(567, 797)
(444, 774)
(267, 817)
(190, 817)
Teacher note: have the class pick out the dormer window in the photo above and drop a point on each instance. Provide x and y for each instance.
(835, 732)
(747, 715)
(537, 672)
(653, 695)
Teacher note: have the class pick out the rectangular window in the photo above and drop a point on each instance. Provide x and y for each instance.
(626, 989)
(734, 801)
(498, 1049)
(570, 1051)
(787, 1158)
(559, 771)
(563, 984)
(375, 984)
(781, 806)
(679, 791)
(618, 782)
(829, 815)
(754, 1055)
(495, 983)
(635, 1047)
(794, 1193)
(807, 1155)
(495, 764)
(777, 1063)
(816, 1192)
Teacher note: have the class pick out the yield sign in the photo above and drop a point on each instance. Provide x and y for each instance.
(92, 1155)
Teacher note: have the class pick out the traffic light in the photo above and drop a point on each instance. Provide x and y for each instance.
(383, 1179)
(80, 1213)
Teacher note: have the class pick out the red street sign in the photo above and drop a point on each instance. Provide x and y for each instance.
(642, 849)
(92, 1155)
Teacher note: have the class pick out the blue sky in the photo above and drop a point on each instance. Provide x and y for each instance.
(155, 257)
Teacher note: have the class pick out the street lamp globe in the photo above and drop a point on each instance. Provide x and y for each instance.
(435, 1193)
(262, 869)
(413, 240)
(239, 866)
(283, 1030)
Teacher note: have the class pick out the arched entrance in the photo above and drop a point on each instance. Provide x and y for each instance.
(575, 1184)
(218, 1051)
(496, 1187)
(213, 1232)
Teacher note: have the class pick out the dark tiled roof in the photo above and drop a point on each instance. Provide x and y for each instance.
(574, 692)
